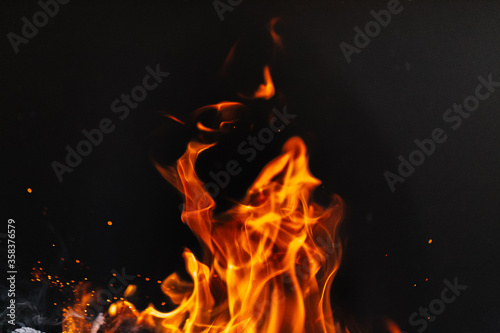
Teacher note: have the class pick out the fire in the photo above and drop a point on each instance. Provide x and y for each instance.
(226, 116)
(269, 261)
(278, 43)
(266, 90)
(392, 326)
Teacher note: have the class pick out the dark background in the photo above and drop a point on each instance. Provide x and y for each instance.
(355, 119)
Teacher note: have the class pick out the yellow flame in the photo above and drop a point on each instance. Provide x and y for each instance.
(264, 254)
(269, 261)
(266, 90)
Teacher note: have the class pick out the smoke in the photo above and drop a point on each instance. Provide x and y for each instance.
(29, 319)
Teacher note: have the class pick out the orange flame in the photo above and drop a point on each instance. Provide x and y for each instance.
(269, 261)
(392, 326)
(225, 119)
(276, 38)
(265, 90)
(264, 252)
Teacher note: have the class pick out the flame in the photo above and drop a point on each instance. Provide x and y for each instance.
(175, 119)
(229, 59)
(75, 318)
(225, 118)
(277, 42)
(392, 326)
(266, 90)
(267, 268)
(269, 261)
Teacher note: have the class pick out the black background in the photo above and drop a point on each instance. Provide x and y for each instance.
(356, 119)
